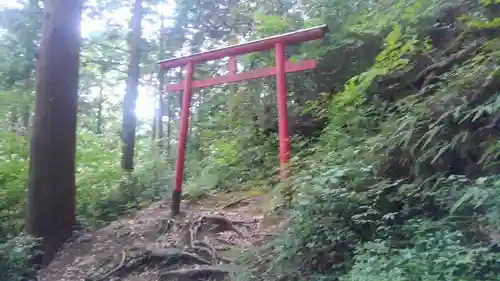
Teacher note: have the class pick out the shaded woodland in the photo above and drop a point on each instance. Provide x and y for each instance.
(396, 134)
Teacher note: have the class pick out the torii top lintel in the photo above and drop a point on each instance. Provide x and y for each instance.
(259, 45)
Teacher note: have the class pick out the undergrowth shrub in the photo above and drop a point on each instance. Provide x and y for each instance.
(404, 180)
(237, 164)
(13, 256)
(103, 192)
(433, 253)
(358, 227)
(13, 175)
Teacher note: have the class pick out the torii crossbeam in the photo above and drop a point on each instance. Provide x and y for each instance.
(280, 69)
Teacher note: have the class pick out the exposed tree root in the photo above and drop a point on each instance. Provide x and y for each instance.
(222, 248)
(194, 274)
(109, 273)
(223, 224)
(175, 256)
(233, 203)
(225, 241)
(205, 246)
(218, 224)
(199, 252)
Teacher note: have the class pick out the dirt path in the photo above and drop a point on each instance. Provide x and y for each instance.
(200, 244)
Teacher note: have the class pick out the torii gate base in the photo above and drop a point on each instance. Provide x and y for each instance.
(279, 70)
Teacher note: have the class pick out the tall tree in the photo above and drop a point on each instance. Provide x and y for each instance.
(51, 186)
(161, 78)
(130, 100)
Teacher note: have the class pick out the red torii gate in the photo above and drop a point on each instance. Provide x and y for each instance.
(280, 69)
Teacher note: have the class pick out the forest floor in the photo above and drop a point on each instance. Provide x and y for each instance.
(201, 243)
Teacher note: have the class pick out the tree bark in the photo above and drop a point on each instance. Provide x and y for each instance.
(153, 127)
(100, 106)
(26, 112)
(170, 115)
(35, 13)
(51, 186)
(13, 119)
(169, 124)
(26, 117)
(161, 78)
(130, 100)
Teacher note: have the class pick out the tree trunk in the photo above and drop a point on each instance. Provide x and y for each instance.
(26, 117)
(170, 115)
(130, 100)
(51, 186)
(35, 13)
(199, 115)
(153, 127)
(100, 106)
(26, 112)
(161, 73)
(13, 119)
(169, 123)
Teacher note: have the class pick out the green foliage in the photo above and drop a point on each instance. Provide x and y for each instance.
(402, 182)
(13, 256)
(437, 250)
(233, 159)
(269, 24)
(352, 224)
(103, 192)
(436, 254)
(13, 175)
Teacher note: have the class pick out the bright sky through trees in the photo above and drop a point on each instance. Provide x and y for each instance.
(145, 102)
